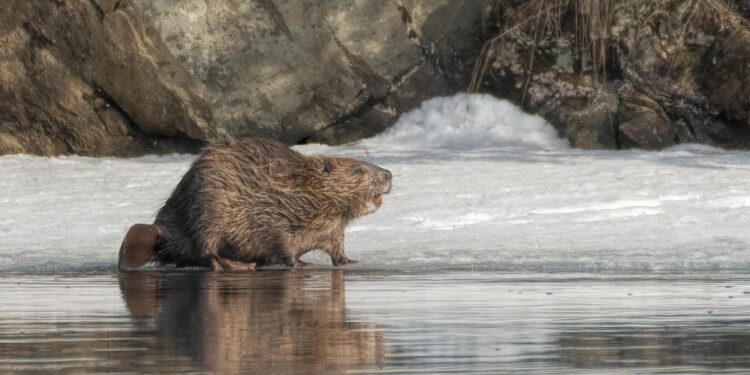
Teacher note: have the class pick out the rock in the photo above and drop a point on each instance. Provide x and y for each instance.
(725, 75)
(581, 107)
(587, 122)
(642, 122)
(92, 78)
(673, 71)
(126, 77)
(10, 143)
(743, 6)
(363, 125)
(330, 71)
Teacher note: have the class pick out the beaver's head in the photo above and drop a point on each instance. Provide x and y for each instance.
(357, 186)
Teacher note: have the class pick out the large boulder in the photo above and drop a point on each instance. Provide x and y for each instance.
(328, 71)
(92, 78)
(124, 77)
(652, 74)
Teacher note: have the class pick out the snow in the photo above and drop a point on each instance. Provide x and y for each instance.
(465, 123)
(478, 184)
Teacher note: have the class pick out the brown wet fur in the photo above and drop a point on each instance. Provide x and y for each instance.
(258, 202)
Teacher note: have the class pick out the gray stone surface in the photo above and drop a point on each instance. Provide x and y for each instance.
(106, 77)
(290, 69)
(92, 78)
(127, 77)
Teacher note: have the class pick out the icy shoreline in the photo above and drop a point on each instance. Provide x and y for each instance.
(477, 184)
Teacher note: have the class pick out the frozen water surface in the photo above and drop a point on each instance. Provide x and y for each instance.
(499, 250)
(478, 184)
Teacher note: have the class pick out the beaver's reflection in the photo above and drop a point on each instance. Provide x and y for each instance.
(261, 320)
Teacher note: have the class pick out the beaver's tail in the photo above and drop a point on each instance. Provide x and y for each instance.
(139, 247)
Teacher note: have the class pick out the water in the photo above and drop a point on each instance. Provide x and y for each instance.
(353, 321)
(499, 250)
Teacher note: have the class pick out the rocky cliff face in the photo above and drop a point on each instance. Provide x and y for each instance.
(328, 70)
(646, 74)
(124, 77)
(92, 78)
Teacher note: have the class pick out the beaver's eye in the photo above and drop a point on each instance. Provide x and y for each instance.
(359, 170)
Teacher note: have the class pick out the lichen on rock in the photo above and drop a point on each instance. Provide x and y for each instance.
(663, 72)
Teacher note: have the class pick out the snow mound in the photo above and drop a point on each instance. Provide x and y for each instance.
(468, 122)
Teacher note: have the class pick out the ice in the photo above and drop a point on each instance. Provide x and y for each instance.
(478, 184)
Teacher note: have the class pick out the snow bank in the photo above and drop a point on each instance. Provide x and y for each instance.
(467, 122)
(477, 184)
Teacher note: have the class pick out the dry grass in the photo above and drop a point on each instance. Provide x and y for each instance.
(593, 20)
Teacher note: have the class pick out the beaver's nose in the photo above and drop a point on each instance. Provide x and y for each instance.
(387, 174)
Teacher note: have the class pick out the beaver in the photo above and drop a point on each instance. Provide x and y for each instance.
(255, 202)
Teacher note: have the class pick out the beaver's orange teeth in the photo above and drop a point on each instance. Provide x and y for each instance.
(378, 199)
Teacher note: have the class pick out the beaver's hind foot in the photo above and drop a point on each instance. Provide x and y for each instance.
(219, 264)
(300, 264)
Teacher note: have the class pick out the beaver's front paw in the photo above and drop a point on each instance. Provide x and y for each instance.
(342, 260)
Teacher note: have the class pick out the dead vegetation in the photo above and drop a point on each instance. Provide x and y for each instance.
(624, 73)
(596, 26)
(592, 22)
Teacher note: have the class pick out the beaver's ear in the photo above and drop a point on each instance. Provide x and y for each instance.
(326, 167)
